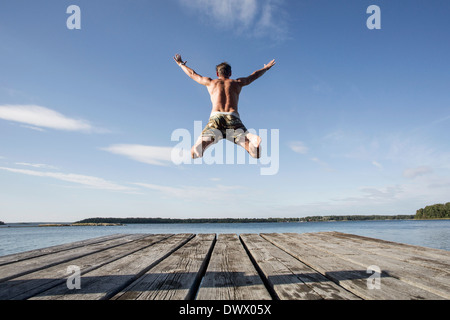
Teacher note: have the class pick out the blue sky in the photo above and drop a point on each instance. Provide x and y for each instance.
(87, 116)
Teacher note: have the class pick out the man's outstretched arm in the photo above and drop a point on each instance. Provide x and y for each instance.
(191, 73)
(255, 75)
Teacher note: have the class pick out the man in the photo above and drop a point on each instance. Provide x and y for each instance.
(225, 121)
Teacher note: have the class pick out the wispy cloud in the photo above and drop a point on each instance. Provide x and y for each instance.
(301, 148)
(335, 136)
(377, 164)
(389, 199)
(39, 118)
(321, 87)
(252, 17)
(194, 193)
(159, 156)
(298, 147)
(323, 164)
(377, 194)
(413, 195)
(37, 165)
(84, 180)
(32, 128)
(412, 173)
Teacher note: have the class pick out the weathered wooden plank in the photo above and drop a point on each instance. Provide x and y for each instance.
(108, 280)
(31, 284)
(289, 278)
(175, 278)
(427, 257)
(230, 274)
(15, 257)
(293, 266)
(421, 250)
(350, 276)
(19, 268)
(437, 282)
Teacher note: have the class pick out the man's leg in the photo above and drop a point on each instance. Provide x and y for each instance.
(250, 142)
(239, 135)
(210, 135)
(201, 145)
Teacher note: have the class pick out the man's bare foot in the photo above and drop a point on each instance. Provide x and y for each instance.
(253, 146)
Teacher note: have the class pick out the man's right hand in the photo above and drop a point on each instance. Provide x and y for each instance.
(269, 65)
(178, 59)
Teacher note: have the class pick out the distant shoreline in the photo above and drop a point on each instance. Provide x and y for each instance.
(243, 220)
(433, 212)
(35, 225)
(99, 222)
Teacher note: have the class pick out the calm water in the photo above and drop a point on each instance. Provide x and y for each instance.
(433, 234)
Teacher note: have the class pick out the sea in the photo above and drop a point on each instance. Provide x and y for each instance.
(16, 238)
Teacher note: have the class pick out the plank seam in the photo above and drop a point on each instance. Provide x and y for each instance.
(266, 282)
(193, 291)
(57, 250)
(336, 281)
(144, 271)
(28, 271)
(394, 275)
(36, 291)
(390, 256)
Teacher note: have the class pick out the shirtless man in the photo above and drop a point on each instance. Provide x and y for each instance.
(224, 121)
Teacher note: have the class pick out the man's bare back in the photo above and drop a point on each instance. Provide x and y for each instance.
(224, 93)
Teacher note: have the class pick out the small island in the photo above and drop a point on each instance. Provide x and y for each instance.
(2, 223)
(435, 211)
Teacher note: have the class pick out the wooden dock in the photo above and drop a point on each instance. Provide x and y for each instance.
(310, 266)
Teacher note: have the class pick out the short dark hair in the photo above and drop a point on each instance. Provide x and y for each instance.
(223, 69)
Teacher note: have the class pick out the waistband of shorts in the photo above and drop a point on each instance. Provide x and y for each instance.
(216, 113)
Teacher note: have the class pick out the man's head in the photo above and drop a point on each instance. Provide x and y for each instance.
(224, 70)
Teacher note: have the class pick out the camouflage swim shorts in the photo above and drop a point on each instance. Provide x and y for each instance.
(226, 126)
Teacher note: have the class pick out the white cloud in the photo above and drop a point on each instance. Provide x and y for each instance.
(218, 192)
(392, 199)
(298, 147)
(377, 164)
(415, 193)
(36, 165)
(412, 173)
(37, 118)
(160, 156)
(87, 181)
(323, 164)
(335, 136)
(389, 192)
(32, 128)
(226, 12)
(254, 17)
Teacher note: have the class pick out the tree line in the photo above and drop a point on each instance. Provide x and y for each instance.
(242, 220)
(188, 220)
(357, 218)
(435, 211)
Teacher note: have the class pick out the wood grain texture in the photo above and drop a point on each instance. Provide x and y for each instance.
(287, 266)
(231, 274)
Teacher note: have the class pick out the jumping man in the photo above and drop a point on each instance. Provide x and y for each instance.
(224, 121)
